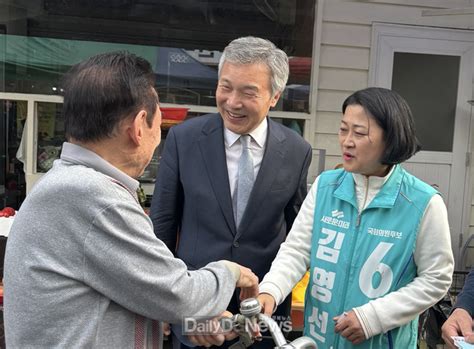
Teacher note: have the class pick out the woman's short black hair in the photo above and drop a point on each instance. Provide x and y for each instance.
(393, 115)
(105, 89)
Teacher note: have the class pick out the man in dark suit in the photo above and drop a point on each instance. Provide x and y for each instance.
(194, 208)
(460, 322)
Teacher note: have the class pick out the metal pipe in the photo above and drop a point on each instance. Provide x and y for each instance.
(301, 343)
(250, 311)
(277, 336)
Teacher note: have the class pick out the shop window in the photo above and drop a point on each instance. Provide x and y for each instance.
(50, 134)
(182, 39)
(12, 177)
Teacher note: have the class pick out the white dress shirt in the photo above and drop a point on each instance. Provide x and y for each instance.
(233, 149)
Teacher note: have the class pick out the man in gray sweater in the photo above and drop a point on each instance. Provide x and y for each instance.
(83, 267)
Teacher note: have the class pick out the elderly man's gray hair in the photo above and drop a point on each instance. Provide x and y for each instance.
(249, 50)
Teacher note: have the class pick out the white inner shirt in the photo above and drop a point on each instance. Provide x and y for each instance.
(233, 150)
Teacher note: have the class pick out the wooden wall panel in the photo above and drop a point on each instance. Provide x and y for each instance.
(328, 122)
(344, 57)
(357, 12)
(346, 34)
(342, 79)
(331, 100)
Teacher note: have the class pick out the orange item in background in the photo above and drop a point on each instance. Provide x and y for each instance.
(297, 303)
(300, 289)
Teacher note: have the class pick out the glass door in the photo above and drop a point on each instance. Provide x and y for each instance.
(433, 68)
(12, 175)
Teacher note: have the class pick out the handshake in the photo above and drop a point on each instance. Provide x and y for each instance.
(208, 332)
(255, 315)
(248, 283)
(246, 326)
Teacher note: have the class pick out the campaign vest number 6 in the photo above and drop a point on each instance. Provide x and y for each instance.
(374, 265)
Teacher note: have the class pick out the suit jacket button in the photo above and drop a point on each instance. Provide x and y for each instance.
(236, 244)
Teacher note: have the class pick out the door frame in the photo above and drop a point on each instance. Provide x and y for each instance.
(390, 38)
(30, 141)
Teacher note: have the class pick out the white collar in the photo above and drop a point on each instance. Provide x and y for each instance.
(259, 135)
(376, 182)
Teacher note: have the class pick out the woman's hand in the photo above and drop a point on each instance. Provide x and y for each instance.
(267, 302)
(349, 327)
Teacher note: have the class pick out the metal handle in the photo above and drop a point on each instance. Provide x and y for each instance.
(250, 309)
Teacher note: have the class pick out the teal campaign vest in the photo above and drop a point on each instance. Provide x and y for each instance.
(356, 258)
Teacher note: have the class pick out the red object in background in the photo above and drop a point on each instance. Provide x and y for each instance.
(173, 113)
(297, 318)
(300, 70)
(7, 212)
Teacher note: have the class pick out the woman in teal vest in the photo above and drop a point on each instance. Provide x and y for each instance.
(375, 238)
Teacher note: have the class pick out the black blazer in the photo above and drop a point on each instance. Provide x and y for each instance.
(192, 196)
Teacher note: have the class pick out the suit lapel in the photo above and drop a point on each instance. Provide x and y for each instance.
(271, 162)
(211, 144)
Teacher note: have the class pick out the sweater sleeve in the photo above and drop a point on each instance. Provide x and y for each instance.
(292, 260)
(124, 261)
(434, 260)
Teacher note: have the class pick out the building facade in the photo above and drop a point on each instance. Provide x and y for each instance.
(424, 49)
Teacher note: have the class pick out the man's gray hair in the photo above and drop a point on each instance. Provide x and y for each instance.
(250, 50)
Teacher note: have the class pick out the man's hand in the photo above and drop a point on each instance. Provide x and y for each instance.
(218, 337)
(248, 282)
(458, 324)
(348, 326)
(267, 302)
(207, 340)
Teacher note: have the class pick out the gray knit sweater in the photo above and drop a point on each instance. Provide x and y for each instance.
(82, 261)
